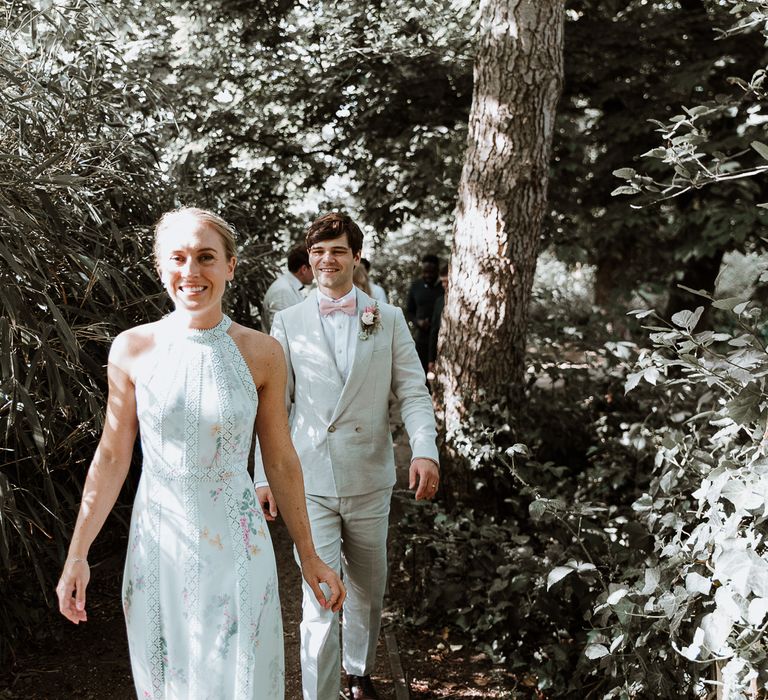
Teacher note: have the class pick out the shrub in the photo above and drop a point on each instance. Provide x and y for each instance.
(700, 597)
(80, 186)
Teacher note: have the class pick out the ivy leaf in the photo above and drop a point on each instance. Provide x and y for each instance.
(692, 652)
(734, 565)
(652, 577)
(758, 607)
(596, 651)
(725, 603)
(696, 583)
(617, 595)
(758, 576)
(717, 627)
(741, 495)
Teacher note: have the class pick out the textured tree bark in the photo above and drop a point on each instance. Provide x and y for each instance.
(502, 201)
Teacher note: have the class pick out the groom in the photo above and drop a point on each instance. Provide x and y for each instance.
(345, 354)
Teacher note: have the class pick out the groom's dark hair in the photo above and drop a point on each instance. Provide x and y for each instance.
(334, 225)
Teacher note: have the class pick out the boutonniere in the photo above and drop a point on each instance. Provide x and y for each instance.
(370, 321)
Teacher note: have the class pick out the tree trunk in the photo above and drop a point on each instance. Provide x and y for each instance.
(502, 201)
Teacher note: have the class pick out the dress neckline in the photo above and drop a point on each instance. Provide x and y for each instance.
(201, 334)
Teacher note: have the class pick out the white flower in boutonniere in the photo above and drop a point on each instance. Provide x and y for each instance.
(370, 321)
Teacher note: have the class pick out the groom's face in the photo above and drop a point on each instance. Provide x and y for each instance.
(333, 263)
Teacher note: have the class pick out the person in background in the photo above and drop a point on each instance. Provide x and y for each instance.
(361, 280)
(377, 291)
(434, 327)
(422, 296)
(287, 289)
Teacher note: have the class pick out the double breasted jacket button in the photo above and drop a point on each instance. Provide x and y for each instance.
(331, 428)
(358, 429)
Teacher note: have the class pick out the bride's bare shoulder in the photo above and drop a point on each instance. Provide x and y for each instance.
(261, 351)
(133, 342)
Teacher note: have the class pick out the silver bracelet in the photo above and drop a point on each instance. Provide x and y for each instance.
(78, 559)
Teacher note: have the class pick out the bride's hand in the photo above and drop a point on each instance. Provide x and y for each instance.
(267, 501)
(74, 579)
(315, 572)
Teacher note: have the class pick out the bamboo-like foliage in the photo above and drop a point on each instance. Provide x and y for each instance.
(79, 185)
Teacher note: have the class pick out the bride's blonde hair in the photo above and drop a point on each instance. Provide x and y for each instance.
(186, 215)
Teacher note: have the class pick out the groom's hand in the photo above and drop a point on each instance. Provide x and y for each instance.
(267, 501)
(424, 476)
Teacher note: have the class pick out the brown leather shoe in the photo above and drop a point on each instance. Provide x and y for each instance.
(361, 688)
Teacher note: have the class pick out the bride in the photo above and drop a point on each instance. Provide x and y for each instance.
(200, 585)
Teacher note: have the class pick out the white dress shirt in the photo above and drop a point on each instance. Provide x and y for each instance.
(340, 332)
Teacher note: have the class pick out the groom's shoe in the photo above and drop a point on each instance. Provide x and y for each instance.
(361, 688)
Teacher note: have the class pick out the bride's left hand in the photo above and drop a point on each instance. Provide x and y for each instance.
(315, 572)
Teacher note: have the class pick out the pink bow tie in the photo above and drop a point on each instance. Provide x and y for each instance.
(327, 307)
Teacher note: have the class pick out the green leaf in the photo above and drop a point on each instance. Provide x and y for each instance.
(717, 628)
(518, 449)
(617, 595)
(596, 651)
(625, 189)
(761, 148)
(688, 319)
(758, 607)
(558, 574)
(696, 583)
(633, 380)
(728, 303)
(745, 408)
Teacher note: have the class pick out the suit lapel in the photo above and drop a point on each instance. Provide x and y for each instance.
(362, 360)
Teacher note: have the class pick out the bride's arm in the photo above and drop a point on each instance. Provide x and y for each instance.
(106, 475)
(283, 471)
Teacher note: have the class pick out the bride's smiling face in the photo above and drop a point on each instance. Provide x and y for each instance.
(193, 266)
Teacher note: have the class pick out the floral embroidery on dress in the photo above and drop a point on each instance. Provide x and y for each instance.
(215, 541)
(218, 613)
(251, 524)
(269, 594)
(128, 600)
(171, 673)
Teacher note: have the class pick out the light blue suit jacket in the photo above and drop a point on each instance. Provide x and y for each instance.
(341, 429)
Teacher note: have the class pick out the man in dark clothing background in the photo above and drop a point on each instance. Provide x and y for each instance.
(437, 313)
(421, 304)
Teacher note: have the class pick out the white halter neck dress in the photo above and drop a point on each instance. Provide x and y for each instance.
(200, 586)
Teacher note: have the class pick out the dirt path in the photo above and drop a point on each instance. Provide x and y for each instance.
(90, 662)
